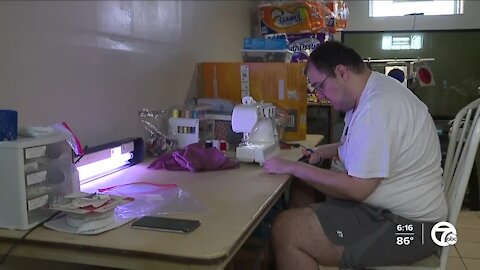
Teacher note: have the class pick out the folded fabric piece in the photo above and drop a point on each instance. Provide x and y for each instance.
(194, 157)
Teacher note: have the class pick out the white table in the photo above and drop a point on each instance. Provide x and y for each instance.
(236, 200)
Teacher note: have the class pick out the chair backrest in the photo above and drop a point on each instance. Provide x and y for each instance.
(462, 149)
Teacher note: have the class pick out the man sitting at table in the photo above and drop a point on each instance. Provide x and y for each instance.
(389, 159)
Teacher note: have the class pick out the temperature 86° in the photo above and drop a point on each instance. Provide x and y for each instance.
(404, 240)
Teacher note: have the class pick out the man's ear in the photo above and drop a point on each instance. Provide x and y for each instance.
(342, 72)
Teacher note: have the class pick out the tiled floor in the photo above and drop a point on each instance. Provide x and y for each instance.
(466, 254)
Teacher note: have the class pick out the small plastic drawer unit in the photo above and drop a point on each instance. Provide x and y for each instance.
(34, 172)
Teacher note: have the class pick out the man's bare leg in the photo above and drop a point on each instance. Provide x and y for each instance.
(299, 241)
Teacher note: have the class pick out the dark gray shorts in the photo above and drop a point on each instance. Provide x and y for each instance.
(371, 236)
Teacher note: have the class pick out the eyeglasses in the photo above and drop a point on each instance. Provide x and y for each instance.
(319, 86)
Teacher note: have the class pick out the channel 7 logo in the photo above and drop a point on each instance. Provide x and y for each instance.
(447, 232)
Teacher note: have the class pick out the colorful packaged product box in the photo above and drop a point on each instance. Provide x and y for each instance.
(283, 84)
(292, 17)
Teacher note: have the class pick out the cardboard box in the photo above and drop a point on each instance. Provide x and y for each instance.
(283, 84)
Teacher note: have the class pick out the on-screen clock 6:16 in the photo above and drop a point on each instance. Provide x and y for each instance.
(405, 228)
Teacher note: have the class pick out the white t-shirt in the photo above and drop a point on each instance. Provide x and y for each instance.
(391, 135)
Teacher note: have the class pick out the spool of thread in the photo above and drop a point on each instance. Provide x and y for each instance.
(8, 125)
(216, 144)
(194, 114)
(223, 146)
(175, 113)
(186, 114)
(208, 144)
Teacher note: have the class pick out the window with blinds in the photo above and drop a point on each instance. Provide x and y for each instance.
(387, 8)
(402, 42)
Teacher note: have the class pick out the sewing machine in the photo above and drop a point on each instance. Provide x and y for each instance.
(260, 137)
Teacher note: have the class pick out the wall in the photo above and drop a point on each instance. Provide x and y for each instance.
(455, 70)
(359, 20)
(94, 64)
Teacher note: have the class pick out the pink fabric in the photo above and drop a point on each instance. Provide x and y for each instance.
(194, 157)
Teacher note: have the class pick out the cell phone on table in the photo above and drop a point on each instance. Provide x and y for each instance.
(166, 224)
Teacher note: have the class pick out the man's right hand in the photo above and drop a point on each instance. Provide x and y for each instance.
(314, 155)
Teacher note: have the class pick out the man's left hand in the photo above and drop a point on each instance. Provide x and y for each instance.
(278, 165)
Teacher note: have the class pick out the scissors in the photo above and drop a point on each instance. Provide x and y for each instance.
(306, 158)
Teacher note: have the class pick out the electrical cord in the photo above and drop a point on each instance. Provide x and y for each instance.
(414, 18)
(80, 157)
(4, 257)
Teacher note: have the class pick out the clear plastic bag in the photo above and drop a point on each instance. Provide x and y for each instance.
(155, 125)
(152, 199)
